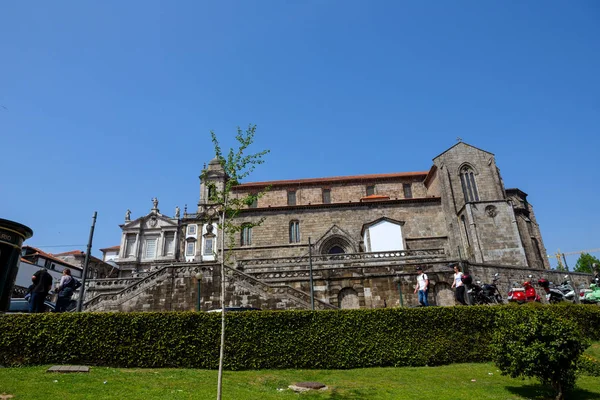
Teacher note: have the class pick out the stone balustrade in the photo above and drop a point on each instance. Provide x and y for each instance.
(326, 258)
(294, 298)
(291, 293)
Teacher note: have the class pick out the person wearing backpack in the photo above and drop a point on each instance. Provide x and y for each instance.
(65, 290)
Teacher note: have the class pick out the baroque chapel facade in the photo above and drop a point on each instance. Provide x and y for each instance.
(366, 233)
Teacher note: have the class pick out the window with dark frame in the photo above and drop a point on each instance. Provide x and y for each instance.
(246, 236)
(467, 181)
(407, 187)
(291, 197)
(295, 231)
(370, 190)
(326, 196)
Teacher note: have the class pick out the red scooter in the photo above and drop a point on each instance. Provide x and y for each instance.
(525, 294)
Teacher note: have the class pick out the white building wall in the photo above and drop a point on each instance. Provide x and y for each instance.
(384, 236)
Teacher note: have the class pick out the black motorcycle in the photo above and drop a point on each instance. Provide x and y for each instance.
(481, 294)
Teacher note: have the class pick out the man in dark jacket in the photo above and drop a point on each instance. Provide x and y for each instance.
(42, 283)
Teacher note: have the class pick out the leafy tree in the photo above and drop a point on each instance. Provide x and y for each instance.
(237, 166)
(585, 262)
(539, 346)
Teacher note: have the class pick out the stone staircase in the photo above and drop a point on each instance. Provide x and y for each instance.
(298, 297)
(176, 274)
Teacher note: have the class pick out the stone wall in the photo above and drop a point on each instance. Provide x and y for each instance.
(423, 226)
(308, 192)
(348, 281)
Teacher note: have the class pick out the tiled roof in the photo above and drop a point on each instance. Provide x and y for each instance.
(69, 253)
(26, 261)
(117, 247)
(334, 179)
(49, 256)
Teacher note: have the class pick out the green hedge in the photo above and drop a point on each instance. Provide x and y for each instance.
(268, 339)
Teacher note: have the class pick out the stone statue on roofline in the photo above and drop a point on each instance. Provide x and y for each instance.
(177, 212)
(155, 203)
(128, 215)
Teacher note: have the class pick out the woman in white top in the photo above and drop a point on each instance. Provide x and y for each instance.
(458, 284)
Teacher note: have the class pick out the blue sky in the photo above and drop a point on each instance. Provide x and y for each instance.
(104, 105)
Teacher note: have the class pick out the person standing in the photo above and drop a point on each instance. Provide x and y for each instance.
(42, 283)
(422, 287)
(65, 290)
(458, 284)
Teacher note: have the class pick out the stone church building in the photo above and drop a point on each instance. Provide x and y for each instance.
(367, 233)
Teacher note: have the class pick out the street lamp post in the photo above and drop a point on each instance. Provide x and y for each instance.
(199, 279)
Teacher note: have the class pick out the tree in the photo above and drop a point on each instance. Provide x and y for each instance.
(237, 166)
(585, 262)
(534, 344)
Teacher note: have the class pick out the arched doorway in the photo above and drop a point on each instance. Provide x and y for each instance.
(336, 245)
(336, 250)
(348, 299)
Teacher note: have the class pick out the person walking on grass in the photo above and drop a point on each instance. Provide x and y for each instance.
(458, 284)
(422, 287)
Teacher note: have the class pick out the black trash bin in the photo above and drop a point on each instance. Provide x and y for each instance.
(12, 235)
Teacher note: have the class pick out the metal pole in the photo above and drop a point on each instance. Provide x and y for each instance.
(565, 260)
(222, 347)
(85, 264)
(310, 274)
(198, 305)
(400, 291)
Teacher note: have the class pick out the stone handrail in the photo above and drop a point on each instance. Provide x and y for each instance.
(143, 282)
(110, 282)
(271, 289)
(323, 258)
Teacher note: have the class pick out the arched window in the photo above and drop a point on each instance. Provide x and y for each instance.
(336, 250)
(212, 192)
(246, 236)
(294, 231)
(467, 180)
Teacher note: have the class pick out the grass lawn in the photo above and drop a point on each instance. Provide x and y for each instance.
(446, 382)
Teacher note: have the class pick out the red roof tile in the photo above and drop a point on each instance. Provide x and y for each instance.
(375, 197)
(334, 179)
(68, 253)
(49, 256)
(117, 247)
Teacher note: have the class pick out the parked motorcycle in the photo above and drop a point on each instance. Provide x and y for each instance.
(592, 295)
(482, 294)
(556, 294)
(524, 294)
